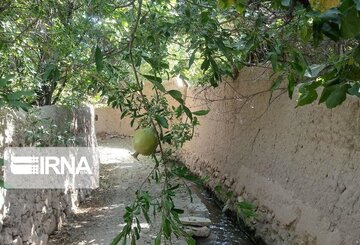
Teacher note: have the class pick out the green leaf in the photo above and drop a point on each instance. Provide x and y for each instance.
(305, 33)
(4, 81)
(183, 172)
(167, 228)
(162, 121)
(192, 58)
(152, 62)
(200, 113)
(245, 205)
(123, 114)
(19, 104)
(51, 73)
(187, 112)
(331, 30)
(205, 65)
(317, 33)
(133, 239)
(331, 82)
(225, 3)
(190, 241)
(356, 54)
(240, 8)
(117, 239)
(299, 63)
(307, 98)
(277, 82)
(176, 95)
(153, 78)
(156, 81)
(337, 96)
(332, 15)
(350, 23)
(355, 90)
(314, 70)
(213, 82)
(309, 86)
(49, 68)
(291, 85)
(158, 239)
(2, 184)
(179, 211)
(325, 94)
(99, 59)
(274, 60)
(218, 189)
(352, 72)
(247, 209)
(214, 67)
(18, 94)
(137, 234)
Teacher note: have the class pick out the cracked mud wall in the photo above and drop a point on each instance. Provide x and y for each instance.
(299, 166)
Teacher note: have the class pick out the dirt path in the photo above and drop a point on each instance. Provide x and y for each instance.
(99, 219)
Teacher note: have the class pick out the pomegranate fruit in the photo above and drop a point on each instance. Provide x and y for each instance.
(145, 142)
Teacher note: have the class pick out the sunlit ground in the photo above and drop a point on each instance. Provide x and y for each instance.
(99, 219)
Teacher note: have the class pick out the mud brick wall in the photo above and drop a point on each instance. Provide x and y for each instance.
(30, 216)
(299, 166)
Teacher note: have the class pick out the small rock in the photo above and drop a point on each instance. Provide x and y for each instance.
(39, 239)
(46, 210)
(26, 228)
(198, 231)
(50, 225)
(15, 230)
(226, 206)
(197, 209)
(39, 206)
(17, 241)
(240, 199)
(195, 221)
(6, 234)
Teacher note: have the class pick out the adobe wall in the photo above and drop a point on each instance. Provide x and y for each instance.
(30, 216)
(299, 166)
(107, 119)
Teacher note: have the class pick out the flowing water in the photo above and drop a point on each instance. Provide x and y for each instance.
(224, 229)
(98, 219)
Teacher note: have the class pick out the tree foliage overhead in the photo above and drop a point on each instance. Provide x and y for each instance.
(65, 50)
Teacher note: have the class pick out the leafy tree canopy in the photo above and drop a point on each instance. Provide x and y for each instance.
(64, 51)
